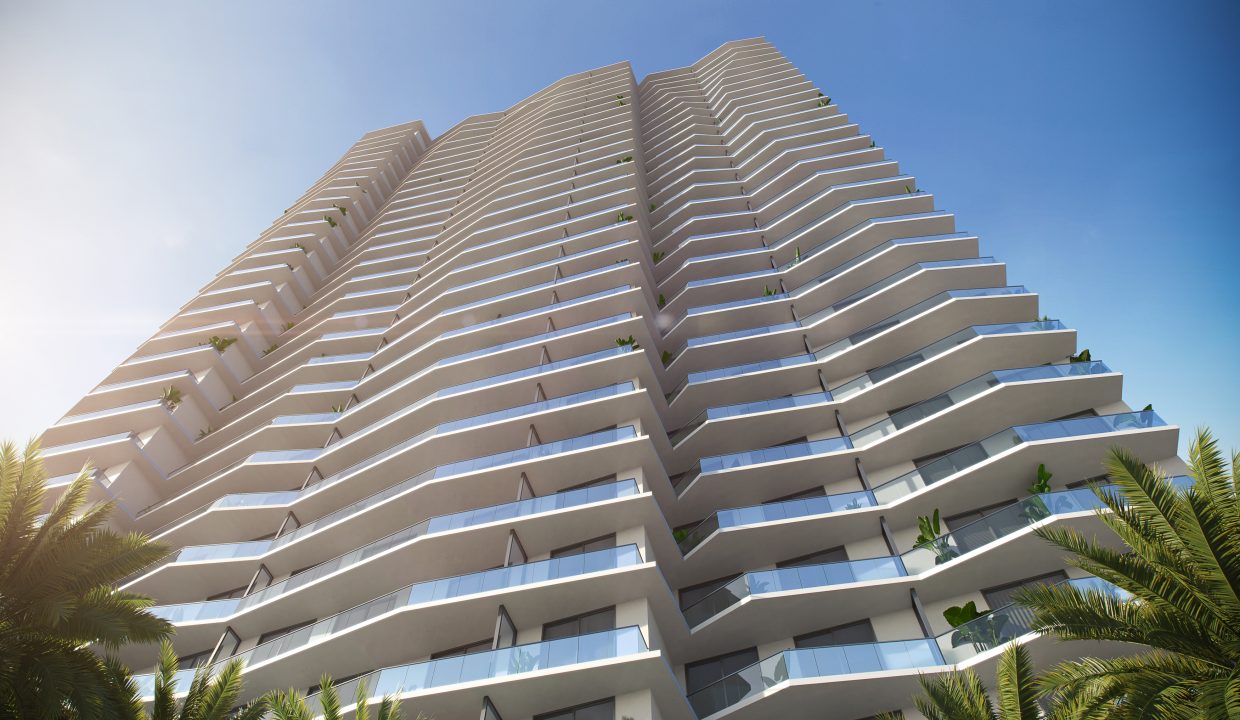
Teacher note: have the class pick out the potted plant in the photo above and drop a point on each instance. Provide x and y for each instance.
(930, 528)
(629, 341)
(220, 343)
(170, 397)
(983, 630)
(1035, 507)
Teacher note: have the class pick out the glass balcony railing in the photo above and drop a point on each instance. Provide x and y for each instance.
(527, 268)
(793, 578)
(306, 419)
(955, 462)
(534, 452)
(808, 663)
(716, 463)
(749, 408)
(531, 288)
(364, 311)
(445, 523)
(856, 385)
(938, 348)
(995, 628)
(537, 311)
(737, 370)
(1004, 522)
(505, 662)
(444, 672)
(443, 589)
(949, 546)
(382, 455)
(348, 357)
(839, 346)
(212, 609)
(809, 285)
(323, 386)
(965, 391)
(1004, 624)
(855, 229)
(461, 467)
(961, 459)
(887, 282)
(774, 512)
(364, 332)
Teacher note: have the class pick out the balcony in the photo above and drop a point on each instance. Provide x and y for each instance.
(882, 671)
(975, 457)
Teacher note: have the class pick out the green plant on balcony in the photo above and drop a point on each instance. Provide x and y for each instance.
(654, 206)
(343, 211)
(272, 348)
(338, 408)
(767, 291)
(666, 357)
(797, 257)
(628, 341)
(657, 256)
(1082, 356)
(170, 397)
(679, 535)
(823, 101)
(287, 326)
(909, 189)
(626, 158)
(1035, 507)
(1148, 408)
(359, 186)
(205, 432)
(871, 143)
(300, 247)
(330, 220)
(619, 100)
(930, 527)
(220, 343)
(662, 301)
(622, 218)
(982, 630)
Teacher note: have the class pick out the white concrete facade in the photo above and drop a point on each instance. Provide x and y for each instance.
(623, 402)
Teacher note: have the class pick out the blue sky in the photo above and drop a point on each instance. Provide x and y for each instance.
(1090, 145)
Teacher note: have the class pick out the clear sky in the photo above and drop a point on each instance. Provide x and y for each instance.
(1091, 145)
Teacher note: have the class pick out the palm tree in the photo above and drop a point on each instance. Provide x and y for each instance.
(292, 705)
(963, 696)
(57, 595)
(206, 698)
(1181, 565)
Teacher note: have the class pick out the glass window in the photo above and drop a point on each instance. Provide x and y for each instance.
(591, 622)
(955, 522)
(704, 672)
(227, 594)
(818, 491)
(598, 543)
(1002, 595)
(850, 634)
(599, 710)
(835, 554)
(694, 593)
(470, 649)
(274, 634)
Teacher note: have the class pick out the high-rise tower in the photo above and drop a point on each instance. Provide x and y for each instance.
(622, 403)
